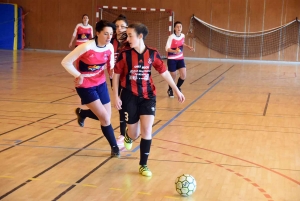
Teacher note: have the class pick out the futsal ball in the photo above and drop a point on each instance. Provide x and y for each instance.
(185, 185)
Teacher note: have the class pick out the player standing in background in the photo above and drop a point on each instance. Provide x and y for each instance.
(119, 43)
(92, 58)
(175, 62)
(83, 32)
(138, 96)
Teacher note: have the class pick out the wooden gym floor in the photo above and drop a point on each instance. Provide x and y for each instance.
(238, 134)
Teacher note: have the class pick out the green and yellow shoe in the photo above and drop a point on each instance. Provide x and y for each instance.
(144, 170)
(127, 141)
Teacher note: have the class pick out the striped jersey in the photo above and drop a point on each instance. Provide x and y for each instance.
(83, 33)
(91, 60)
(173, 43)
(119, 46)
(135, 71)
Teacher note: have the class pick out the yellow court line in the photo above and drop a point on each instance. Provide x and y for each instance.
(117, 189)
(90, 185)
(144, 193)
(172, 197)
(6, 176)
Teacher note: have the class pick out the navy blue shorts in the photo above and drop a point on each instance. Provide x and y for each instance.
(174, 65)
(91, 94)
(134, 106)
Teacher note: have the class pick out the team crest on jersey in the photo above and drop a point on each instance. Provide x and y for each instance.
(94, 67)
(149, 61)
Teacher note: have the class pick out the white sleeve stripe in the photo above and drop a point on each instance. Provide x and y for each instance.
(68, 61)
(75, 30)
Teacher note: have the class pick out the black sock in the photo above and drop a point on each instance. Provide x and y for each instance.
(110, 82)
(122, 122)
(144, 151)
(179, 82)
(170, 88)
(108, 132)
(122, 127)
(88, 113)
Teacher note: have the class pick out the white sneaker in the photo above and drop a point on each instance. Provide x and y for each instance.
(120, 141)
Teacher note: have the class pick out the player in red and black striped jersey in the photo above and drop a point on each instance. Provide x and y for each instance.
(119, 42)
(138, 96)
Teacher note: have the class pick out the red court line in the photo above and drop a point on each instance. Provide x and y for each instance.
(278, 173)
(261, 190)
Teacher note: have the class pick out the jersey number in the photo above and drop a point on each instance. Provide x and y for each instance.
(126, 116)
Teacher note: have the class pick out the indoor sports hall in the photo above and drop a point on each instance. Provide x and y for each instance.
(237, 133)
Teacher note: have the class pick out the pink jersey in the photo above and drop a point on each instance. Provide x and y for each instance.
(91, 60)
(83, 33)
(173, 43)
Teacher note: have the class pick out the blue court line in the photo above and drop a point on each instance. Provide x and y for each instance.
(179, 113)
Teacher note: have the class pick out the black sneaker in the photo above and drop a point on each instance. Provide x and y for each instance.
(115, 152)
(80, 120)
(170, 93)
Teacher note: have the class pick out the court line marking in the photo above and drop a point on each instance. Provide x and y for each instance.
(241, 159)
(220, 75)
(52, 166)
(27, 124)
(206, 74)
(81, 179)
(266, 106)
(193, 66)
(36, 136)
(180, 112)
(49, 168)
(260, 189)
(186, 69)
(239, 129)
(63, 98)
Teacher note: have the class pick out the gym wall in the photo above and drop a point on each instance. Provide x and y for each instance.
(50, 23)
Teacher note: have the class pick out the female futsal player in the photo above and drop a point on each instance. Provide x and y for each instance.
(138, 96)
(119, 43)
(92, 58)
(83, 32)
(175, 62)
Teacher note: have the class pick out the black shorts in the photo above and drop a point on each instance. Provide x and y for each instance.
(134, 106)
(174, 64)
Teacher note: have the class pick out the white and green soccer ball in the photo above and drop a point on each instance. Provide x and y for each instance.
(185, 185)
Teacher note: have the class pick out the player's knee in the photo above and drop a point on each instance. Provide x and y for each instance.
(105, 121)
(133, 134)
